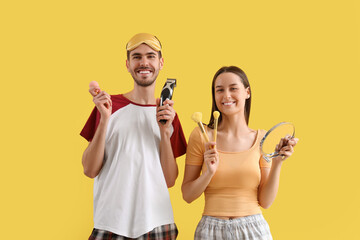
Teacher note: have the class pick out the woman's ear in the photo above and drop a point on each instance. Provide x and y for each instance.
(248, 92)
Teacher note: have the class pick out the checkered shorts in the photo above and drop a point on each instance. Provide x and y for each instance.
(164, 232)
(252, 227)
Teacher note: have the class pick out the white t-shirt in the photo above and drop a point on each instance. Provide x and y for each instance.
(130, 193)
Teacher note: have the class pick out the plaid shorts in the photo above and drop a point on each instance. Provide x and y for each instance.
(164, 232)
(252, 227)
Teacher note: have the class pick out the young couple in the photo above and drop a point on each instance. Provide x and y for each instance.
(132, 156)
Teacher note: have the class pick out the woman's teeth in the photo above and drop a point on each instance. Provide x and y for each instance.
(228, 103)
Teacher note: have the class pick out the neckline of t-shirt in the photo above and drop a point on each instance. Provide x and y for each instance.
(247, 150)
(137, 104)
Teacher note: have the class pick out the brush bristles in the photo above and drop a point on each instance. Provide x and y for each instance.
(197, 117)
(216, 114)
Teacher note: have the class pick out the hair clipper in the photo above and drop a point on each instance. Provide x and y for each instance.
(167, 92)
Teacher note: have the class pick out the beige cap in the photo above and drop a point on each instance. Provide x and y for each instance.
(141, 38)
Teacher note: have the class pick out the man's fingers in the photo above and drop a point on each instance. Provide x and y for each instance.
(168, 102)
(166, 107)
(94, 91)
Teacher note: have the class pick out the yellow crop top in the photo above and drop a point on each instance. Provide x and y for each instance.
(234, 187)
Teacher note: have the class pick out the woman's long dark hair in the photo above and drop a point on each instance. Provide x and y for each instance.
(245, 82)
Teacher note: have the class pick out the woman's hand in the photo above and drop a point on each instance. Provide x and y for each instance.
(285, 148)
(211, 157)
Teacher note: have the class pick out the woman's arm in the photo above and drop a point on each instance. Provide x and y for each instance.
(195, 184)
(270, 178)
(269, 185)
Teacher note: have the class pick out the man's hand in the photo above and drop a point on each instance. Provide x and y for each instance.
(165, 112)
(102, 101)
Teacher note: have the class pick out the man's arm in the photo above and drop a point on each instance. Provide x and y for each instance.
(92, 159)
(168, 162)
(93, 155)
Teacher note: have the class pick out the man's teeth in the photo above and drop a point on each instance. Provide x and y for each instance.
(144, 72)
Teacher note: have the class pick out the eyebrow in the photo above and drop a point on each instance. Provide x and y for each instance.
(139, 54)
(231, 85)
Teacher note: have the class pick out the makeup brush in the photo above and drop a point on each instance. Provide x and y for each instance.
(197, 117)
(216, 115)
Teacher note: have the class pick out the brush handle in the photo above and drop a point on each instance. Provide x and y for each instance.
(215, 130)
(215, 133)
(216, 115)
(201, 126)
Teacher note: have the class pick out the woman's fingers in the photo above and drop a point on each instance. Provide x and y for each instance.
(210, 145)
(286, 151)
(293, 141)
(211, 155)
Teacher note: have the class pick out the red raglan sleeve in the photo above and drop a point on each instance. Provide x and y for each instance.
(178, 141)
(89, 129)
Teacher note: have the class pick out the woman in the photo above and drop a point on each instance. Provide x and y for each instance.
(235, 178)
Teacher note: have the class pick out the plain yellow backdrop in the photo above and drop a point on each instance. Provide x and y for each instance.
(302, 60)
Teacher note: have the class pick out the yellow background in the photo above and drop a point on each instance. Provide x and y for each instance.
(302, 60)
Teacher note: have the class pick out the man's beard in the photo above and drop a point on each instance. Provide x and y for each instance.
(145, 82)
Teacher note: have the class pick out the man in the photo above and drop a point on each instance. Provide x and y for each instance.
(131, 154)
